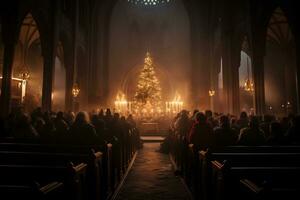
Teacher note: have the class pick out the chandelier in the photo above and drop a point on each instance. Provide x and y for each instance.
(23, 72)
(211, 93)
(248, 85)
(75, 90)
(149, 2)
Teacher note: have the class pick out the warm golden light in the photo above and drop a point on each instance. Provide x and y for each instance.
(211, 93)
(121, 104)
(25, 75)
(147, 98)
(175, 106)
(22, 84)
(248, 86)
(75, 90)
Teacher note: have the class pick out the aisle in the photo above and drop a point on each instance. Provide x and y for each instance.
(152, 178)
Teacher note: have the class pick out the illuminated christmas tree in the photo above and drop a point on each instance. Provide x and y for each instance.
(148, 93)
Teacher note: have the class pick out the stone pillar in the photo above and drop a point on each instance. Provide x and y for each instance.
(259, 85)
(226, 77)
(195, 68)
(231, 59)
(69, 63)
(8, 58)
(49, 45)
(199, 13)
(103, 59)
(298, 77)
(235, 58)
(49, 64)
(75, 100)
(9, 33)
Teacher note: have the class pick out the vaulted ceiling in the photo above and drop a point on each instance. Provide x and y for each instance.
(29, 32)
(279, 31)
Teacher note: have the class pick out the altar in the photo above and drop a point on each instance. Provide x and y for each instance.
(149, 129)
(147, 103)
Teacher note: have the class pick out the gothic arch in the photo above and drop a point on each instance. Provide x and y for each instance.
(280, 63)
(28, 46)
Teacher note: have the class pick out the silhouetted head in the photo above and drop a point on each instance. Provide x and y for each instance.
(243, 115)
(185, 114)
(116, 116)
(39, 124)
(101, 113)
(195, 112)
(60, 115)
(70, 117)
(130, 117)
(200, 117)
(94, 119)
(208, 113)
(108, 112)
(254, 122)
(224, 121)
(82, 117)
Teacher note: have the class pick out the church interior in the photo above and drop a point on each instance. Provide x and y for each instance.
(149, 99)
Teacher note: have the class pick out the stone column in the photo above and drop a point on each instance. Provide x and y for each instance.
(69, 63)
(75, 100)
(195, 68)
(226, 77)
(235, 58)
(199, 13)
(298, 77)
(259, 85)
(231, 60)
(9, 33)
(8, 58)
(49, 45)
(49, 63)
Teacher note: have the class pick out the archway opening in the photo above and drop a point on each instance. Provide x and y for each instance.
(27, 78)
(163, 29)
(246, 83)
(280, 64)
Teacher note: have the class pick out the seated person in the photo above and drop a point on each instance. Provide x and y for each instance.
(252, 135)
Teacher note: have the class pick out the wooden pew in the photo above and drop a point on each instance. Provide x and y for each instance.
(226, 178)
(52, 148)
(262, 149)
(96, 186)
(240, 159)
(253, 191)
(108, 174)
(73, 177)
(113, 165)
(51, 191)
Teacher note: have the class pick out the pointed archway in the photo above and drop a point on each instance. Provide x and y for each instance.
(27, 71)
(246, 83)
(280, 64)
